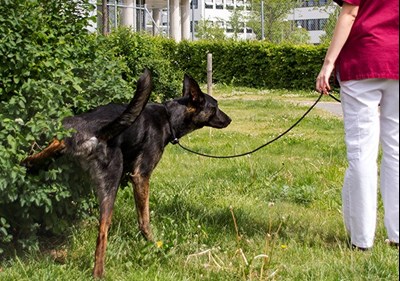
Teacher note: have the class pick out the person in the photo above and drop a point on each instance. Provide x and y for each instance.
(364, 56)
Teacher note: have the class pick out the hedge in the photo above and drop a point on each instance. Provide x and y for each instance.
(252, 63)
(238, 63)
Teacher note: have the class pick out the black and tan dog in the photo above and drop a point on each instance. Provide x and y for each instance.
(114, 141)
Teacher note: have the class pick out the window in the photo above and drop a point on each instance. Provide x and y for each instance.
(241, 27)
(313, 3)
(309, 3)
(196, 23)
(300, 23)
(229, 28)
(220, 24)
(195, 4)
(209, 4)
(239, 3)
(322, 23)
(311, 24)
(229, 4)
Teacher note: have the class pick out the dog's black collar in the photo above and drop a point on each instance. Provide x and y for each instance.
(174, 140)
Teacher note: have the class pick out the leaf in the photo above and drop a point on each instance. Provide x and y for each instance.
(77, 88)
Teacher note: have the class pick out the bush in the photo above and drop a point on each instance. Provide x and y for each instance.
(139, 50)
(50, 68)
(238, 63)
(252, 63)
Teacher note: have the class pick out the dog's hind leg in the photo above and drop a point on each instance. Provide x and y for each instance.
(107, 186)
(141, 186)
(106, 210)
(37, 160)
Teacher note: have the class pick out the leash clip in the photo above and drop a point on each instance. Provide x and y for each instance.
(175, 141)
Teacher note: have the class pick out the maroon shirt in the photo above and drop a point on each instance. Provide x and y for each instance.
(372, 49)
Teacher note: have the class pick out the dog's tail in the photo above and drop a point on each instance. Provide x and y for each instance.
(135, 107)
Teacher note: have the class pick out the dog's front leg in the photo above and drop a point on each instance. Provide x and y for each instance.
(141, 186)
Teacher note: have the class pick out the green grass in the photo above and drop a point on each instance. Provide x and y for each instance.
(274, 215)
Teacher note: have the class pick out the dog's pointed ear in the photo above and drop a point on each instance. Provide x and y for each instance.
(191, 89)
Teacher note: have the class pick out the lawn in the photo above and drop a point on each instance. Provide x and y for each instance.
(273, 215)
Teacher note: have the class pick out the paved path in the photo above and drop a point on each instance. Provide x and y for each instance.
(332, 107)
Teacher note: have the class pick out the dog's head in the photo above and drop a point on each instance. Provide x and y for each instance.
(204, 107)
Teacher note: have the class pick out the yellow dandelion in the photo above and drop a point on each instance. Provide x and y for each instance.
(159, 244)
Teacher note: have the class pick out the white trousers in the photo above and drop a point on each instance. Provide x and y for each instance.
(366, 125)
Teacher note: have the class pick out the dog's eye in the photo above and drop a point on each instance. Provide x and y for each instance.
(213, 109)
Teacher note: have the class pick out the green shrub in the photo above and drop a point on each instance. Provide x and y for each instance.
(252, 63)
(238, 63)
(139, 50)
(50, 67)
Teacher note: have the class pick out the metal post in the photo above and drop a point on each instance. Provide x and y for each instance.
(168, 19)
(262, 21)
(140, 15)
(192, 20)
(144, 16)
(209, 74)
(115, 14)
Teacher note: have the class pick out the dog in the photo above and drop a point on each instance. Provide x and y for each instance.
(116, 141)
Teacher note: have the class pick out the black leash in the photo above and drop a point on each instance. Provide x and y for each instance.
(176, 140)
(335, 98)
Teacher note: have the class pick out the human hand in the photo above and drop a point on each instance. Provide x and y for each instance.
(322, 84)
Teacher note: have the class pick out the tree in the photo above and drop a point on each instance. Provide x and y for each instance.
(330, 26)
(276, 25)
(208, 30)
(236, 22)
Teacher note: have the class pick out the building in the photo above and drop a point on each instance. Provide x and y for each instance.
(219, 13)
(178, 18)
(312, 16)
(168, 17)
